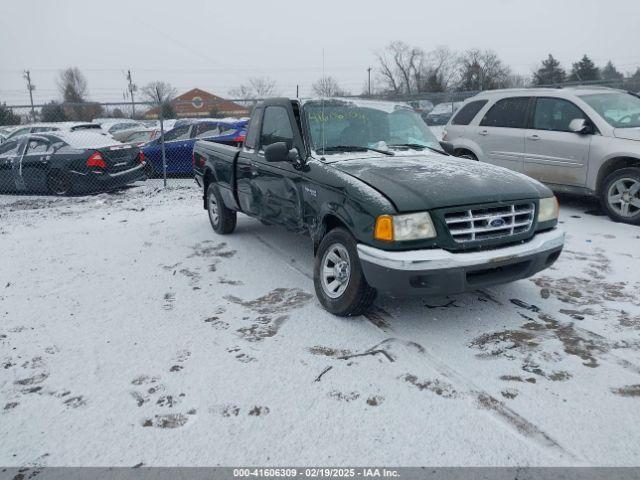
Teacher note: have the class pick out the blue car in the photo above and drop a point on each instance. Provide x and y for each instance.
(179, 142)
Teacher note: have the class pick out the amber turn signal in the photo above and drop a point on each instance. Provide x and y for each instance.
(384, 228)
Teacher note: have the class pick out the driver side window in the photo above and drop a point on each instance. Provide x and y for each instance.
(38, 147)
(555, 114)
(276, 127)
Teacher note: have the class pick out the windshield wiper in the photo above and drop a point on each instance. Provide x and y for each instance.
(354, 148)
(418, 146)
(414, 146)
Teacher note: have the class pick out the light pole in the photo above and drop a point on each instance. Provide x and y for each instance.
(31, 88)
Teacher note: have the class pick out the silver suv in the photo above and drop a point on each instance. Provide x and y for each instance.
(581, 140)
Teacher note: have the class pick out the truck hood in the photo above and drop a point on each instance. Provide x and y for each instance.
(425, 182)
(627, 133)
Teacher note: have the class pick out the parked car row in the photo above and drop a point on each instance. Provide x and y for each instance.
(63, 163)
(579, 140)
(71, 158)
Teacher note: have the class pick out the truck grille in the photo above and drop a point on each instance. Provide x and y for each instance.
(491, 222)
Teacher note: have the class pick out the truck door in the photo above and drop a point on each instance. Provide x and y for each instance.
(553, 153)
(276, 186)
(248, 198)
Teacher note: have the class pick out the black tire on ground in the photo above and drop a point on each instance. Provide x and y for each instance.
(620, 195)
(58, 183)
(467, 154)
(223, 220)
(356, 295)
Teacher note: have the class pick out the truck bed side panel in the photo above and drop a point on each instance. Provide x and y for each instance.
(221, 163)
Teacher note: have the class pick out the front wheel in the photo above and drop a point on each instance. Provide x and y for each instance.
(337, 276)
(223, 219)
(620, 195)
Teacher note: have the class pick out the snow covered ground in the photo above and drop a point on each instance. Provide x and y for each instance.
(131, 334)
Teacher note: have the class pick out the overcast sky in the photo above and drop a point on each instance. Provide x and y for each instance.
(216, 45)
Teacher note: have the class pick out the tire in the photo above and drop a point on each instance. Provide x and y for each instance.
(352, 295)
(468, 155)
(58, 183)
(223, 220)
(620, 195)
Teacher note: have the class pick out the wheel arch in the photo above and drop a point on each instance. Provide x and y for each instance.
(329, 222)
(208, 177)
(613, 164)
(462, 150)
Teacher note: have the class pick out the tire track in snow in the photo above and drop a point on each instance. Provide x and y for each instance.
(483, 400)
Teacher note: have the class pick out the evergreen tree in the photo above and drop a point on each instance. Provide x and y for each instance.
(633, 82)
(549, 73)
(584, 71)
(53, 112)
(611, 73)
(7, 117)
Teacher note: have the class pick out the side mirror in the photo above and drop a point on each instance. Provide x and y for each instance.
(280, 152)
(581, 126)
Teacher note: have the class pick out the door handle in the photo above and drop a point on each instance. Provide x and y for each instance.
(534, 137)
(483, 132)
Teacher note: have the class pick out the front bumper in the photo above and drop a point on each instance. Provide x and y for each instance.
(439, 272)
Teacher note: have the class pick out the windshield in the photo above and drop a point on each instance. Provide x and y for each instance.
(620, 110)
(339, 124)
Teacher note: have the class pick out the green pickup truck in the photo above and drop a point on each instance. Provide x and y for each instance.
(386, 208)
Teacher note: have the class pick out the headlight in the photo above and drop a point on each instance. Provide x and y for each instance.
(414, 226)
(549, 209)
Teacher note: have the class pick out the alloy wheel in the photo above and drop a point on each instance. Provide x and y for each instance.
(336, 270)
(624, 197)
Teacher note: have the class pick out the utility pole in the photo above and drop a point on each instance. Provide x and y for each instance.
(369, 72)
(31, 88)
(297, 91)
(132, 88)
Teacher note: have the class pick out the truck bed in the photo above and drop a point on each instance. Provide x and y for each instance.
(221, 161)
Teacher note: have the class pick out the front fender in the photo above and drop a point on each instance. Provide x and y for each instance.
(331, 198)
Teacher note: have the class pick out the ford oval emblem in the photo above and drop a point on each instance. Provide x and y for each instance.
(496, 222)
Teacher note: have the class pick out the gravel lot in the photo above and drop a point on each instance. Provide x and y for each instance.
(131, 334)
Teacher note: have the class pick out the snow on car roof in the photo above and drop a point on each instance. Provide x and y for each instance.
(85, 139)
(385, 106)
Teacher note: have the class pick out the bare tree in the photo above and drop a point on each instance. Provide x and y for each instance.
(256, 88)
(72, 85)
(327, 86)
(74, 91)
(482, 70)
(440, 70)
(401, 67)
(516, 80)
(159, 92)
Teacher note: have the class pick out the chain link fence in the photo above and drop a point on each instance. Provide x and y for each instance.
(91, 147)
